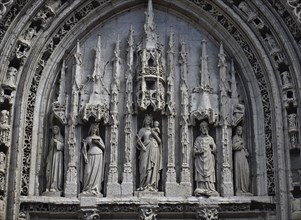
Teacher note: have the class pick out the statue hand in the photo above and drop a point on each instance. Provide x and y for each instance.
(85, 159)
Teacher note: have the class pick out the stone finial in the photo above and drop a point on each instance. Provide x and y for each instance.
(205, 80)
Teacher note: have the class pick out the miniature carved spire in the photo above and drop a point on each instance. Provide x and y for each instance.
(222, 64)
(233, 82)
(116, 60)
(183, 61)
(184, 121)
(113, 174)
(77, 68)
(62, 92)
(170, 78)
(149, 27)
(130, 50)
(205, 82)
(59, 106)
(97, 83)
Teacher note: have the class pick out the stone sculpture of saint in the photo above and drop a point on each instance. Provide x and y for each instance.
(241, 166)
(150, 159)
(204, 161)
(55, 162)
(93, 155)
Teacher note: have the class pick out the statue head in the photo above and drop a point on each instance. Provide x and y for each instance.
(239, 130)
(56, 130)
(204, 127)
(148, 120)
(94, 129)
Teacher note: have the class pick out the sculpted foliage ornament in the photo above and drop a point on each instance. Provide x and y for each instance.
(147, 213)
(3, 6)
(208, 214)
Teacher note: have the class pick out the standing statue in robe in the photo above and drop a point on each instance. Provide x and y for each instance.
(55, 162)
(241, 166)
(204, 161)
(93, 155)
(150, 159)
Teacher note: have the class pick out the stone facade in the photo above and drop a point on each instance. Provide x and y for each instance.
(184, 109)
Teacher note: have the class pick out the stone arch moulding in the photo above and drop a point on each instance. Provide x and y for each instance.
(266, 65)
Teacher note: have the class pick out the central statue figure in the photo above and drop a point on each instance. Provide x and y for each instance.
(204, 160)
(93, 155)
(150, 159)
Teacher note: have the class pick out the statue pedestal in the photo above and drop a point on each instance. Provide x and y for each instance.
(113, 187)
(71, 183)
(127, 187)
(183, 189)
(52, 194)
(148, 194)
(88, 200)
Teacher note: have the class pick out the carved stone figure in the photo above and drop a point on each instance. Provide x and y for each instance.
(93, 154)
(204, 161)
(55, 162)
(241, 166)
(2, 162)
(10, 81)
(4, 127)
(150, 159)
(28, 35)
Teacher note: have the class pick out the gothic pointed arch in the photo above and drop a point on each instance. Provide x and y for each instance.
(77, 64)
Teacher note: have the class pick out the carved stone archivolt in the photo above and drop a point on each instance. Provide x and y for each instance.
(156, 78)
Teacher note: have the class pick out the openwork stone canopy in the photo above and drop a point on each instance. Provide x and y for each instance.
(148, 109)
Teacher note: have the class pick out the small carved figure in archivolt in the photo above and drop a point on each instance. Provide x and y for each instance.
(241, 166)
(4, 127)
(150, 159)
(93, 155)
(2, 162)
(204, 161)
(55, 162)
